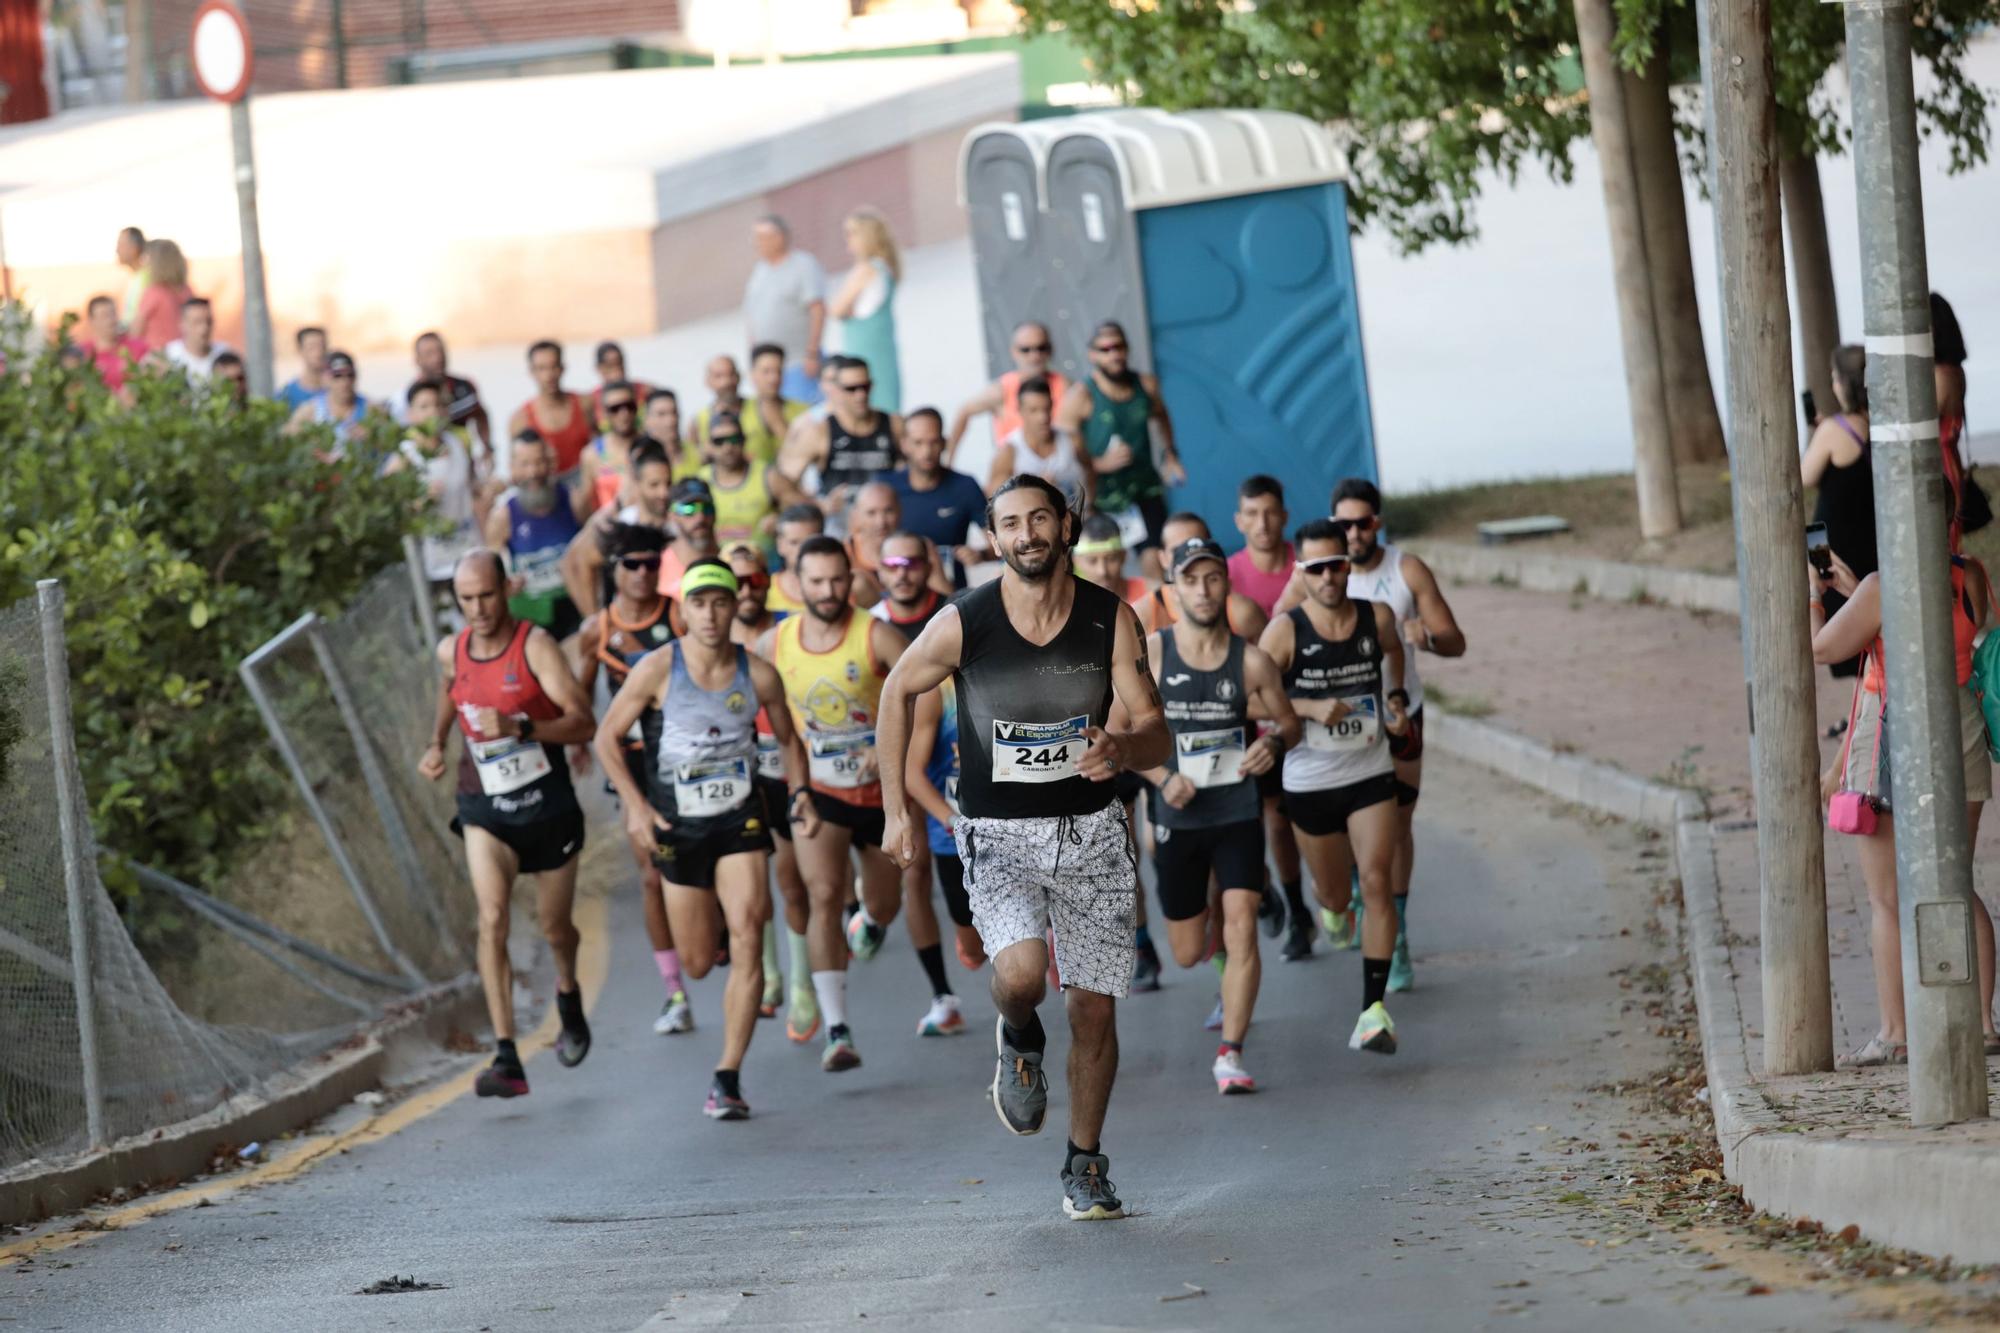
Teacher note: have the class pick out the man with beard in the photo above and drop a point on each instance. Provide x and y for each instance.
(1205, 808)
(532, 526)
(1054, 699)
(795, 525)
(651, 489)
(833, 660)
(608, 461)
(704, 824)
(1380, 572)
(616, 638)
(1115, 412)
(1343, 669)
(510, 691)
(909, 603)
(874, 516)
(562, 417)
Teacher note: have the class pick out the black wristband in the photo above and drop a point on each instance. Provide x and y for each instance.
(1401, 696)
(1277, 739)
(527, 728)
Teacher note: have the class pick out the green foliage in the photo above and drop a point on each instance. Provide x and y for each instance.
(186, 531)
(1424, 95)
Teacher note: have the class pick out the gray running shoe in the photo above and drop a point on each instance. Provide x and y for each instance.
(1088, 1194)
(1020, 1088)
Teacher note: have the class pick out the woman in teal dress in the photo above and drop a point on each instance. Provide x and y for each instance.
(865, 305)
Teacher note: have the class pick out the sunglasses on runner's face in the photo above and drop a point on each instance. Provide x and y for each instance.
(1029, 349)
(1107, 347)
(1324, 566)
(635, 563)
(725, 439)
(1343, 526)
(862, 387)
(627, 406)
(340, 374)
(755, 581)
(903, 561)
(693, 507)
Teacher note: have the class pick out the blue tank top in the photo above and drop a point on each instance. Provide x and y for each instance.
(943, 772)
(707, 746)
(537, 543)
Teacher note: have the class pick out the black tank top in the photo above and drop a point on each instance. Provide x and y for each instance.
(1348, 669)
(1022, 709)
(1847, 506)
(1209, 715)
(854, 459)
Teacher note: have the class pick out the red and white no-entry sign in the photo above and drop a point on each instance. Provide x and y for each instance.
(220, 46)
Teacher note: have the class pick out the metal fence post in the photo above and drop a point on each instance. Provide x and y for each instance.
(1933, 861)
(62, 744)
(397, 832)
(296, 767)
(420, 587)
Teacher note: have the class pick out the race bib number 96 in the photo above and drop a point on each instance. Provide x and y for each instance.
(1356, 731)
(710, 787)
(841, 760)
(770, 759)
(1038, 751)
(508, 764)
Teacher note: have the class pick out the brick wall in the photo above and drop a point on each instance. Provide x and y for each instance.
(295, 47)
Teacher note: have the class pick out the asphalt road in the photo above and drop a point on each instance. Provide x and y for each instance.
(1413, 1192)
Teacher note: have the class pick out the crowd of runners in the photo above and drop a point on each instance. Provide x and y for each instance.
(809, 655)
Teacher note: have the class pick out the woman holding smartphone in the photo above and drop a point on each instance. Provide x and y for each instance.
(1863, 766)
(1836, 461)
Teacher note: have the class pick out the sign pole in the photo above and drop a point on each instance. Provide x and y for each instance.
(224, 60)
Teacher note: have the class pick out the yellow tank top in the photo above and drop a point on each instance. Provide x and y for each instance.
(738, 511)
(781, 603)
(833, 697)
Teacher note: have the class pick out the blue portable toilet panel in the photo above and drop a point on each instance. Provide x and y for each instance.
(1219, 240)
(1257, 344)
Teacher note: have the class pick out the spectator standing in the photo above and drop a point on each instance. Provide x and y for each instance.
(563, 419)
(196, 349)
(311, 379)
(942, 506)
(1836, 461)
(437, 452)
(159, 318)
(865, 305)
(131, 252)
(1948, 370)
(784, 304)
(112, 351)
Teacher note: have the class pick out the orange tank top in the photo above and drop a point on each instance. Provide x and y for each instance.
(1964, 628)
(1008, 419)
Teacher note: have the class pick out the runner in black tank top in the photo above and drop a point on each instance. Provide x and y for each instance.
(1053, 699)
(1343, 668)
(1207, 815)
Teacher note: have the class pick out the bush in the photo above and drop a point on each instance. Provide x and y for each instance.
(186, 531)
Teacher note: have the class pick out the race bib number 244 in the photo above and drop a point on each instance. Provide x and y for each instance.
(1038, 751)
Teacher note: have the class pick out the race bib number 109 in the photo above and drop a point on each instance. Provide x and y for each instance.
(1038, 751)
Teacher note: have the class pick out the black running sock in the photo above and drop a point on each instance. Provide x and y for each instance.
(1030, 1040)
(504, 1052)
(1070, 1153)
(1295, 898)
(1235, 1046)
(569, 1006)
(932, 957)
(727, 1080)
(836, 1032)
(1374, 980)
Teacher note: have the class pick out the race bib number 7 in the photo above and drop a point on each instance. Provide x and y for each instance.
(508, 764)
(1038, 751)
(1210, 758)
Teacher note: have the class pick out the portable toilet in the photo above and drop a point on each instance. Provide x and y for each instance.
(1219, 240)
(1005, 212)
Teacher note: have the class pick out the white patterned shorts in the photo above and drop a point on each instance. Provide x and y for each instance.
(1077, 873)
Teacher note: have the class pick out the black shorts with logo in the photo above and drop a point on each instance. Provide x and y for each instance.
(864, 823)
(777, 808)
(951, 879)
(686, 854)
(1320, 813)
(1183, 858)
(540, 846)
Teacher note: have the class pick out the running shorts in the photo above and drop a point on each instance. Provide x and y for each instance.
(1128, 785)
(863, 822)
(1319, 813)
(1153, 509)
(547, 844)
(777, 807)
(1272, 783)
(1408, 748)
(951, 879)
(1183, 858)
(1078, 873)
(686, 854)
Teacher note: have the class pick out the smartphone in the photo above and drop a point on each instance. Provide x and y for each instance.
(1817, 549)
(1806, 402)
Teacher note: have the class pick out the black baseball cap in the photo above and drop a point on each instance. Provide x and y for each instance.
(339, 361)
(691, 490)
(1195, 549)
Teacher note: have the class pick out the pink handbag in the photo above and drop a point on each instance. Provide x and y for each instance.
(1854, 811)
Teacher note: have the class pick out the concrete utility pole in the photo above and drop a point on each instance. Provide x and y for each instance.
(1933, 861)
(1645, 381)
(257, 349)
(1770, 527)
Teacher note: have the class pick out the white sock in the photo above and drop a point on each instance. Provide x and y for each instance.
(831, 988)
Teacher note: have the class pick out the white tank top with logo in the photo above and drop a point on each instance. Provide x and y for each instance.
(1385, 583)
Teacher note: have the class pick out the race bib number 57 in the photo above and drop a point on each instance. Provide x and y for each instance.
(1038, 751)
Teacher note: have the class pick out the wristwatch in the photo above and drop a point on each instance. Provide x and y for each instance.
(527, 728)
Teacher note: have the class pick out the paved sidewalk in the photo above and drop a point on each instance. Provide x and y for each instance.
(1658, 693)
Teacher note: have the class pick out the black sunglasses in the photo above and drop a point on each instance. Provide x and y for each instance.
(621, 407)
(725, 439)
(1344, 526)
(639, 562)
(1107, 347)
(1029, 349)
(862, 387)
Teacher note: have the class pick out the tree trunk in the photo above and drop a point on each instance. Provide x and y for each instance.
(1692, 420)
(1812, 273)
(139, 81)
(1652, 445)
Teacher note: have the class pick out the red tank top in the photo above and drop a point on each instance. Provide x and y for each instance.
(569, 442)
(505, 683)
(1008, 419)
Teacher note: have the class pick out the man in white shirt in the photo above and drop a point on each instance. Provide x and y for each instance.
(196, 349)
(784, 304)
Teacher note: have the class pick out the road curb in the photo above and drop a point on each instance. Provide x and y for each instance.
(43, 1189)
(1901, 1186)
(1606, 580)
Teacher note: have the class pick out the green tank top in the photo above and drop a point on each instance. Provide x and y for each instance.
(1109, 418)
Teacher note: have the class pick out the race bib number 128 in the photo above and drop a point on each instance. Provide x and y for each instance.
(1038, 751)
